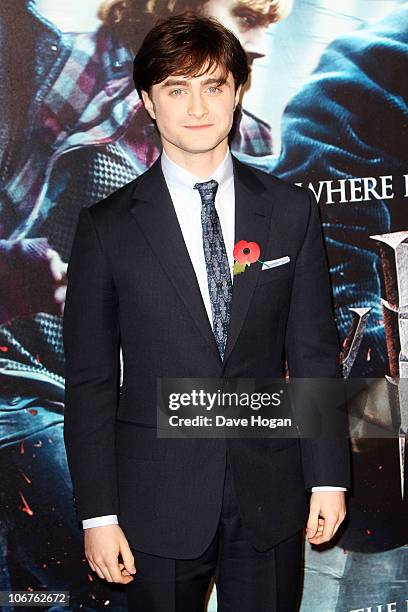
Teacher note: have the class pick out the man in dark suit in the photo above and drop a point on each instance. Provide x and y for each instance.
(151, 270)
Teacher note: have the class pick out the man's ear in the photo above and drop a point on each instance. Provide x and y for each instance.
(148, 104)
(237, 96)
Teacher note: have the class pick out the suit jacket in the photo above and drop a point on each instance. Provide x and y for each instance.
(131, 284)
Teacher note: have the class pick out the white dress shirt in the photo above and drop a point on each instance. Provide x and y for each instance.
(187, 205)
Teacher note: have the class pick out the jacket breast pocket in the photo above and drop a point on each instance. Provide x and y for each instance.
(282, 272)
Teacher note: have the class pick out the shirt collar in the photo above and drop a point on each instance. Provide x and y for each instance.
(178, 177)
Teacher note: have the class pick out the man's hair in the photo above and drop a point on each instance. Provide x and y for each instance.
(132, 19)
(267, 11)
(188, 45)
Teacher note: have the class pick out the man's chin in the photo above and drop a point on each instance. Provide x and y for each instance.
(196, 143)
(201, 145)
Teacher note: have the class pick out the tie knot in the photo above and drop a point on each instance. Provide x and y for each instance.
(207, 191)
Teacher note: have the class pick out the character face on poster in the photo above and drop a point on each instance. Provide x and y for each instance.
(326, 108)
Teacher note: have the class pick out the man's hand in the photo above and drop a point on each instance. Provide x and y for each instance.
(58, 270)
(327, 512)
(102, 548)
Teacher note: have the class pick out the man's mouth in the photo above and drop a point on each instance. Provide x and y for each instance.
(199, 127)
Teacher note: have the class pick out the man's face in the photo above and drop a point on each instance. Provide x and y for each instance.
(193, 114)
(248, 24)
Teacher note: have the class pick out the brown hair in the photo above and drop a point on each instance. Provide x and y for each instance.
(133, 18)
(185, 44)
(268, 11)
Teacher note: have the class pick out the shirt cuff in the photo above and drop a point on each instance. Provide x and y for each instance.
(328, 488)
(100, 521)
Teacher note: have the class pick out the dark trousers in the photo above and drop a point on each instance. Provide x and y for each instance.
(246, 580)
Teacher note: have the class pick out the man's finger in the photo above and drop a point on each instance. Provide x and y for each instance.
(115, 572)
(105, 571)
(60, 294)
(312, 522)
(328, 528)
(127, 557)
(54, 266)
(101, 564)
(58, 267)
(123, 570)
(318, 538)
(337, 525)
(99, 572)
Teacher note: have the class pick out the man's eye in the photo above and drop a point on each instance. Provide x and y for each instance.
(176, 92)
(213, 89)
(247, 18)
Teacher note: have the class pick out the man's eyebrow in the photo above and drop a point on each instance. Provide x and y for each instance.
(184, 82)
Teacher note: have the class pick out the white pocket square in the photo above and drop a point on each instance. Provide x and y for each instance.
(272, 263)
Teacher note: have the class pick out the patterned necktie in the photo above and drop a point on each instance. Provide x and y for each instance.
(216, 259)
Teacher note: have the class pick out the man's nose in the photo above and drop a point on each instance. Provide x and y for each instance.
(197, 106)
(255, 43)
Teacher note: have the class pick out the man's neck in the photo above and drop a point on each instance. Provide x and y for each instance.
(201, 165)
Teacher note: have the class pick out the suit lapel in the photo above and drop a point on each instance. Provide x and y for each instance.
(252, 223)
(154, 212)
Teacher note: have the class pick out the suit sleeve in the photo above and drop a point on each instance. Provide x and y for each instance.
(312, 350)
(91, 345)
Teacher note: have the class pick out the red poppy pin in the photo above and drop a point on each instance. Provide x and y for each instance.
(245, 253)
